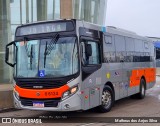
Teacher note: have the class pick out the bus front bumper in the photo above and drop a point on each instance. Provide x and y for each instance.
(72, 103)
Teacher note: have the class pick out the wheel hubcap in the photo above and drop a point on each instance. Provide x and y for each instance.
(106, 99)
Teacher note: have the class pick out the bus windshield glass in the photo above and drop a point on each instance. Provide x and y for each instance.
(47, 57)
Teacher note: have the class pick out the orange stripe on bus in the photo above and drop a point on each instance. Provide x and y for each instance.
(148, 73)
(41, 93)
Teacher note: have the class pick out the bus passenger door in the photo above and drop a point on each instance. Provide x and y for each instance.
(91, 72)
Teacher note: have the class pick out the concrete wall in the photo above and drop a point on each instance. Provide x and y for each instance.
(6, 96)
(6, 99)
(5, 71)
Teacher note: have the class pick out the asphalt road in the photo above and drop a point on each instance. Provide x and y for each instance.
(128, 107)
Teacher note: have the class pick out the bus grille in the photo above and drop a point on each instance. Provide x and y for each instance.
(47, 102)
(42, 84)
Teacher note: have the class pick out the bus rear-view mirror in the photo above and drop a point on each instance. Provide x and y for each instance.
(7, 54)
(9, 48)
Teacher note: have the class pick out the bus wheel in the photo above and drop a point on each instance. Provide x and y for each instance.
(107, 99)
(142, 92)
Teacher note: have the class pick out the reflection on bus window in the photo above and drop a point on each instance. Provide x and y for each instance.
(94, 58)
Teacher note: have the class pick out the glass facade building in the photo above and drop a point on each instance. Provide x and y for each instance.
(90, 10)
(16, 12)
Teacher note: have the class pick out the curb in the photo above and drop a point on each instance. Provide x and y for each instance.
(8, 110)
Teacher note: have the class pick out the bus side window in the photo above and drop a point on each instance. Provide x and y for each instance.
(128, 57)
(120, 48)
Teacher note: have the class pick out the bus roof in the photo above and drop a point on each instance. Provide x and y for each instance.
(109, 29)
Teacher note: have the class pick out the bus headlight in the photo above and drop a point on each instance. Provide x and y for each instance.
(16, 94)
(70, 92)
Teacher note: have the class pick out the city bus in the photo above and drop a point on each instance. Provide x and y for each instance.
(73, 65)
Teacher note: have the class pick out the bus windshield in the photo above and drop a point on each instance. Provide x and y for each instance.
(47, 57)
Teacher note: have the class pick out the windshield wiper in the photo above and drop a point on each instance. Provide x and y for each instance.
(26, 46)
(31, 56)
(73, 54)
(50, 47)
(45, 53)
(29, 53)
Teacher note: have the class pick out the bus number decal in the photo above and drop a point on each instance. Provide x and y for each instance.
(51, 93)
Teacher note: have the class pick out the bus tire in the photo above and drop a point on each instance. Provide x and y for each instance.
(142, 92)
(107, 100)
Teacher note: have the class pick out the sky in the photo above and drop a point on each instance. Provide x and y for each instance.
(140, 16)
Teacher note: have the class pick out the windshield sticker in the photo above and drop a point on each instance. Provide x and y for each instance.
(22, 43)
(41, 73)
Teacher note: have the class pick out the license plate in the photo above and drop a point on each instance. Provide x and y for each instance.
(38, 104)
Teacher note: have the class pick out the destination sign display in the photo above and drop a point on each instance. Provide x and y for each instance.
(44, 28)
